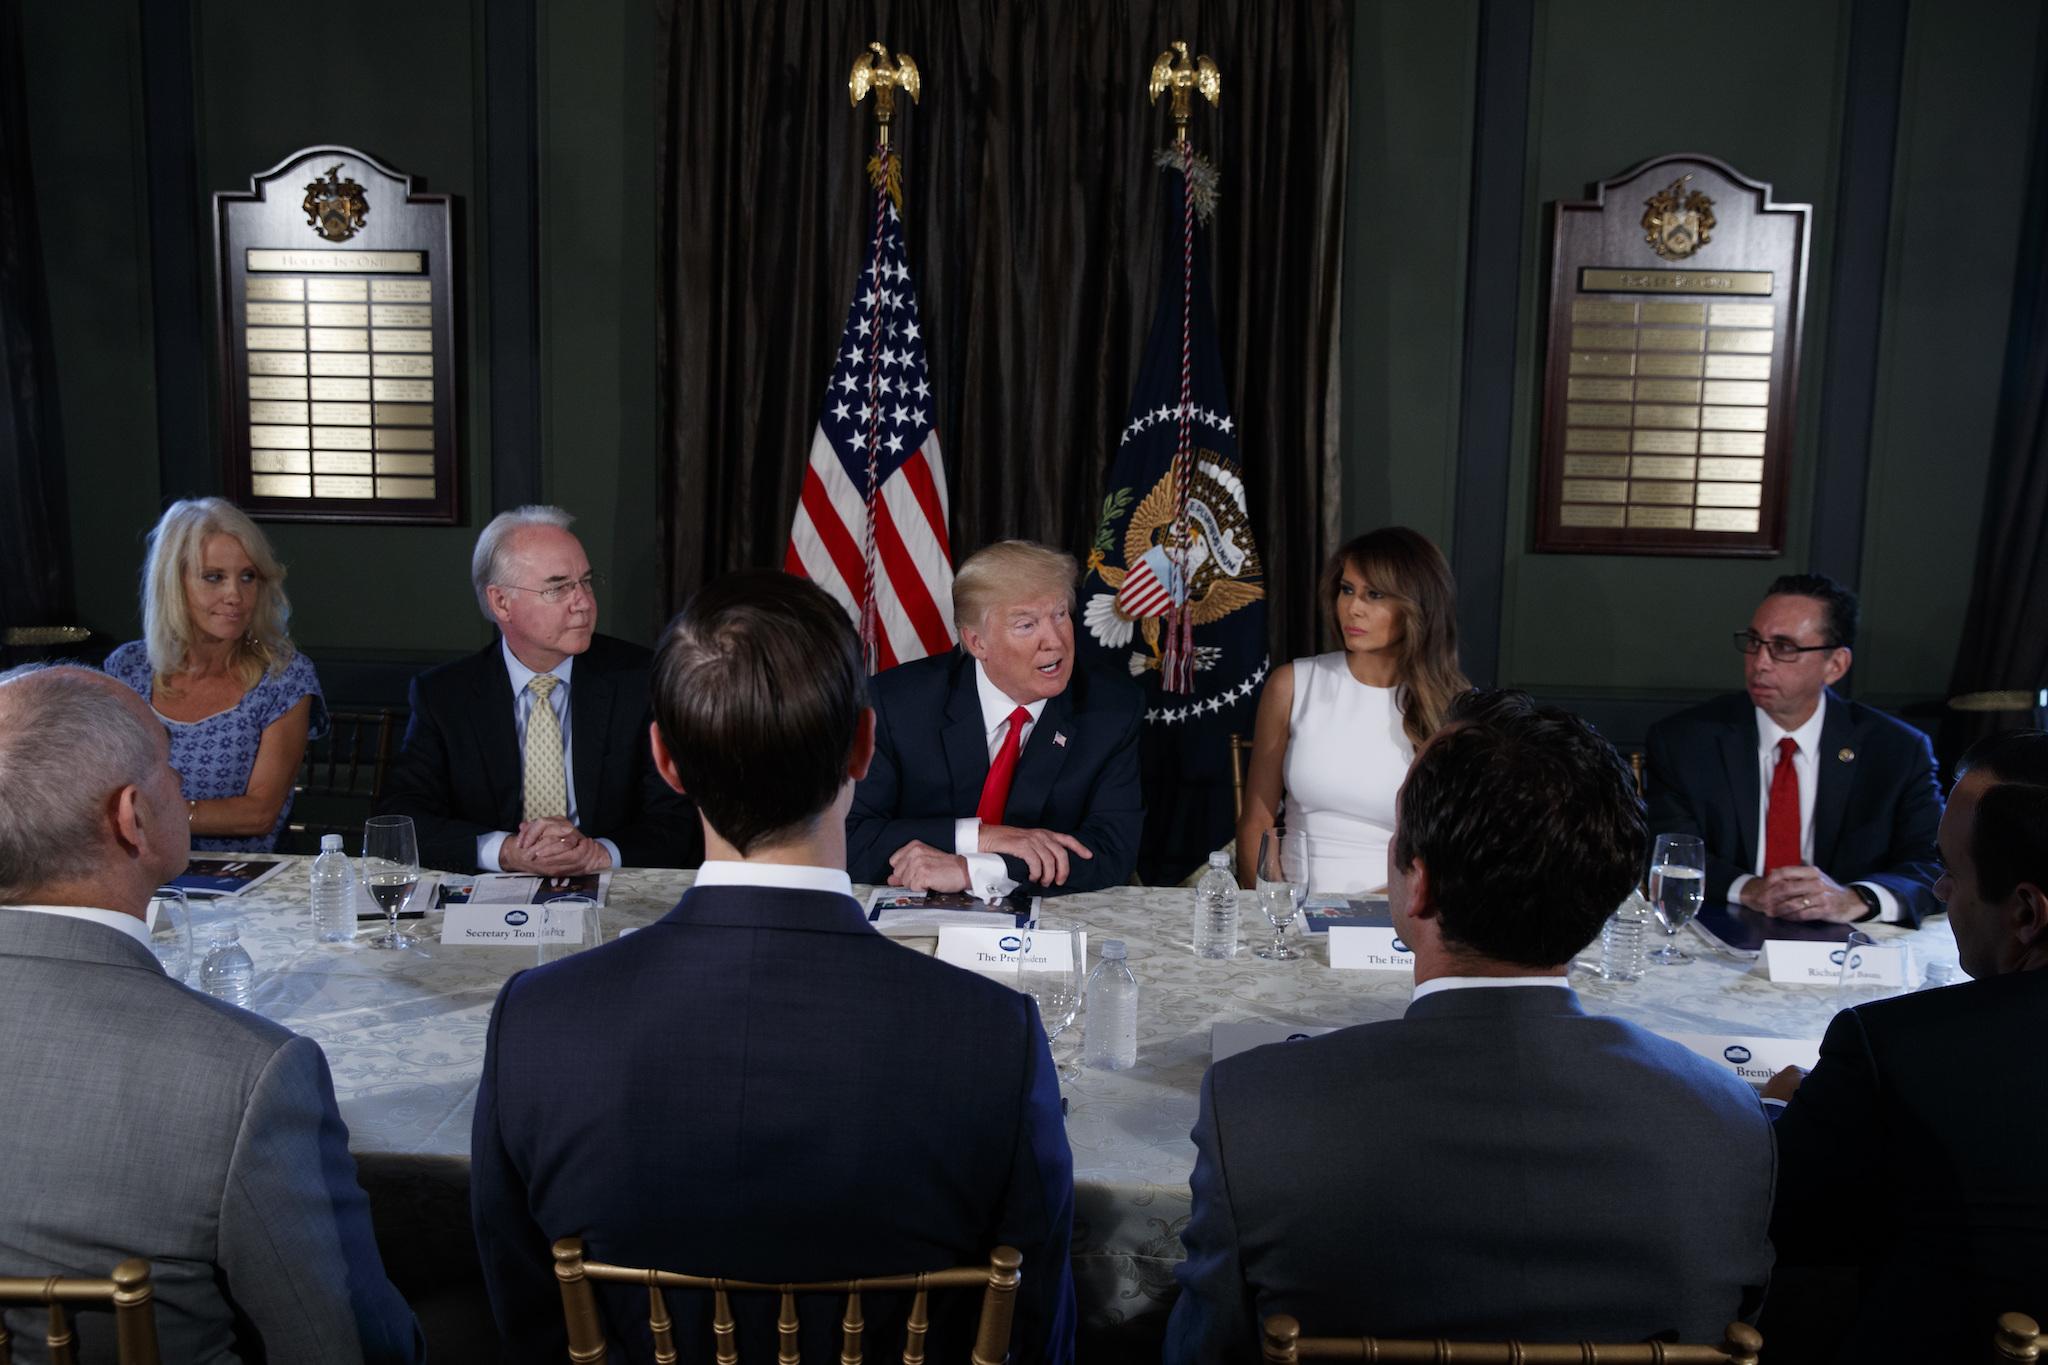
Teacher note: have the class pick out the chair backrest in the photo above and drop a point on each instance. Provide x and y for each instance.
(127, 1289)
(1240, 750)
(998, 1281)
(1635, 769)
(341, 777)
(1284, 1344)
(2018, 1338)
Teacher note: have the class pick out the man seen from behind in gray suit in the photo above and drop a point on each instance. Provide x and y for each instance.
(1496, 1163)
(142, 1118)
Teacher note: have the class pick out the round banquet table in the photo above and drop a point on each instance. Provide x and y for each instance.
(404, 1036)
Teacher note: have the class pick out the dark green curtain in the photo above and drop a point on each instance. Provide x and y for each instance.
(1033, 220)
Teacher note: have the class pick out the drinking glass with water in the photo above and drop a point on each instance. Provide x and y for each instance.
(1282, 882)
(1678, 883)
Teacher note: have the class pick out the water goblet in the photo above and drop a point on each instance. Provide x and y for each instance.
(1282, 882)
(170, 931)
(391, 869)
(1678, 883)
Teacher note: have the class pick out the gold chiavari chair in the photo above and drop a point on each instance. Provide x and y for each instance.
(2018, 1338)
(1284, 1345)
(1240, 752)
(998, 1281)
(128, 1289)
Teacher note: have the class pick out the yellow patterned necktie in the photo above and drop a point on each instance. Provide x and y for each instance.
(547, 788)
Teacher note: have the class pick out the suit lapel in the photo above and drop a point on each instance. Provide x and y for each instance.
(590, 702)
(1038, 767)
(499, 736)
(965, 738)
(1834, 780)
(1738, 757)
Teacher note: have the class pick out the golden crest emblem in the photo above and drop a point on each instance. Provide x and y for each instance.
(1676, 223)
(335, 208)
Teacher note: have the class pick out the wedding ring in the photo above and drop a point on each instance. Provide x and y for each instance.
(1806, 902)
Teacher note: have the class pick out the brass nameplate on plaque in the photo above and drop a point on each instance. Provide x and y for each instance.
(337, 262)
(1726, 519)
(1602, 310)
(401, 315)
(1600, 362)
(401, 414)
(1694, 313)
(404, 464)
(337, 339)
(1731, 495)
(402, 366)
(267, 386)
(338, 315)
(405, 390)
(1595, 466)
(277, 438)
(1666, 443)
(274, 314)
(1597, 415)
(1661, 415)
(1595, 490)
(1578, 514)
(343, 486)
(270, 410)
(1673, 366)
(401, 291)
(1738, 367)
(274, 289)
(1603, 338)
(337, 291)
(343, 461)
(1744, 391)
(1584, 438)
(277, 362)
(281, 485)
(1670, 493)
(1736, 419)
(276, 339)
(418, 342)
(1749, 342)
(341, 414)
(1661, 518)
(405, 488)
(1737, 471)
(1598, 280)
(342, 390)
(1744, 315)
(1671, 338)
(1606, 390)
(342, 438)
(1731, 443)
(1667, 390)
(278, 461)
(335, 362)
(404, 438)
(1661, 467)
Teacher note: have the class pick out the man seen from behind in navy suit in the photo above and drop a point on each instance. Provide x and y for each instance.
(760, 1086)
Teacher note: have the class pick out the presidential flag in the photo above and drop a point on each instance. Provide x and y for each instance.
(871, 521)
(1174, 590)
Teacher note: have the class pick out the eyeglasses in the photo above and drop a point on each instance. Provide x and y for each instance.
(590, 583)
(1784, 651)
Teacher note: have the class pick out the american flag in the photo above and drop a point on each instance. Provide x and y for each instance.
(877, 447)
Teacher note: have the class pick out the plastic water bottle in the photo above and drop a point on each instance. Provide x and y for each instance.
(1621, 941)
(334, 893)
(1110, 1036)
(1939, 974)
(227, 973)
(1216, 910)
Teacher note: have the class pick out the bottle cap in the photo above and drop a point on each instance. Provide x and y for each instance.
(1220, 859)
(1113, 950)
(330, 843)
(227, 931)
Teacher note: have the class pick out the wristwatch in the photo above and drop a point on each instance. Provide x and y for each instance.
(1870, 899)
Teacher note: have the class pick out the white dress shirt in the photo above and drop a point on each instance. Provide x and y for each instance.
(1471, 983)
(1806, 767)
(487, 845)
(987, 875)
(112, 919)
(778, 876)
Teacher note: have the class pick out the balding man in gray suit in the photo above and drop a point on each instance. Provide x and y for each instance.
(141, 1118)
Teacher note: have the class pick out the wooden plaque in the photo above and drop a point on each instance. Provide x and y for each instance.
(1677, 293)
(337, 333)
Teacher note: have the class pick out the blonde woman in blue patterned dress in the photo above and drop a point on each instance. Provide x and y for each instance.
(215, 662)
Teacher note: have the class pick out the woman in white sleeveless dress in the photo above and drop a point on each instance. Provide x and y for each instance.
(1335, 732)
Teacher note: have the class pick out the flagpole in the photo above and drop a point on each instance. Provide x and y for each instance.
(1183, 77)
(873, 70)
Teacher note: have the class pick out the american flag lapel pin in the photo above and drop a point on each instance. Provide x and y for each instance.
(1059, 738)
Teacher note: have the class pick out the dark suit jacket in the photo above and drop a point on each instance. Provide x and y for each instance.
(1873, 818)
(761, 1086)
(931, 758)
(459, 773)
(1495, 1164)
(1913, 1152)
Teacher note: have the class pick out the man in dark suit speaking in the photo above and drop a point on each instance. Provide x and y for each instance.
(531, 754)
(760, 1085)
(1002, 764)
(1913, 1150)
(1497, 1162)
(1811, 807)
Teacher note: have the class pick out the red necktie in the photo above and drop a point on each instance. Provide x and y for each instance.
(995, 793)
(1781, 821)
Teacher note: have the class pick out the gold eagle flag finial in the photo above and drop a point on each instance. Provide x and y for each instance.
(1181, 76)
(873, 70)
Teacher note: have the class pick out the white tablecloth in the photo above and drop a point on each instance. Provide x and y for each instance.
(404, 1034)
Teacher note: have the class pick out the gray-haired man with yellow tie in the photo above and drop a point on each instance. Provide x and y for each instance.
(531, 755)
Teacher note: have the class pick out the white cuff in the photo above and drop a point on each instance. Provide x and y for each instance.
(612, 849)
(1735, 888)
(487, 846)
(1888, 911)
(987, 877)
(967, 835)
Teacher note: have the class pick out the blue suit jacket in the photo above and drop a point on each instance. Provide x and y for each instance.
(931, 759)
(761, 1086)
(1913, 1153)
(1874, 815)
(1495, 1164)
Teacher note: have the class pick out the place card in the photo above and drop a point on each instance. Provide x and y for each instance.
(506, 926)
(1790, 961)
(989, 950)
(1752, 1060)
(1369, 948)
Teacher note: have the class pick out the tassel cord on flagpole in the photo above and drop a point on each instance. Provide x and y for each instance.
(870, 629)
(1178, 673)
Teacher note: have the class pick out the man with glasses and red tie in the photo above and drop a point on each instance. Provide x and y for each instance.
(1811, 806)
(531, 755)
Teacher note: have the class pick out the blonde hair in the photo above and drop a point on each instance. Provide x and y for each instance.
(1008, 571)
(176, 544)
(1411, 571)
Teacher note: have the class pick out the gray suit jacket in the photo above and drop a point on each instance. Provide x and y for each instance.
(139, 1117)
(1496, 1164)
